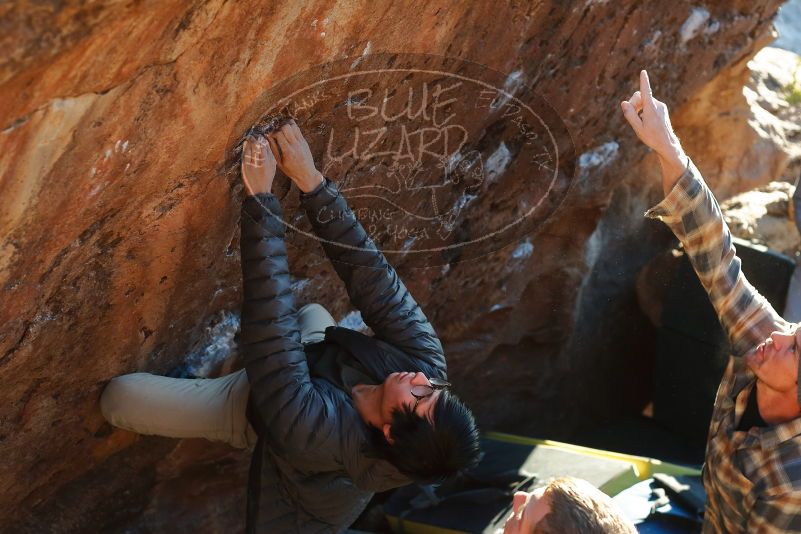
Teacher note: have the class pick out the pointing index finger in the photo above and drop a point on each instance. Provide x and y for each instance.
(645, 90)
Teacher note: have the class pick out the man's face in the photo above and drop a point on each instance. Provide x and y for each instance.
(528, 509)
(397, 392)
(775, 364)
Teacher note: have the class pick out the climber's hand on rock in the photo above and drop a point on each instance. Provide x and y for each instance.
(650, 120)
(258, 165)
(294, 156)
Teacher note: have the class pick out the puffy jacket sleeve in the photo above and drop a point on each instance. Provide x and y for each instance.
(374, 288)
(282, 394)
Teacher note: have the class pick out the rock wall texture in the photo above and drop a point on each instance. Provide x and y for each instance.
(755, 130)
(119, 233)
(765, 216)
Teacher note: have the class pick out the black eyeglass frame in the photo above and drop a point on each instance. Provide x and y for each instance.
(436, 384)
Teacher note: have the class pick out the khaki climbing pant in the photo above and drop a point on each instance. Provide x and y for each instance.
(211, 408)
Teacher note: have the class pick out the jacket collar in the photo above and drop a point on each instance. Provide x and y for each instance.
(377, 356)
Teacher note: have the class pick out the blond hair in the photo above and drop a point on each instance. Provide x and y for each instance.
(576, 507)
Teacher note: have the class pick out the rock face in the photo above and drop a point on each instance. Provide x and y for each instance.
(765, 216)
(119, 231)
(755, 130)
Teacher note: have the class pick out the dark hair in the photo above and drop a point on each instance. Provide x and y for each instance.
(425, 452)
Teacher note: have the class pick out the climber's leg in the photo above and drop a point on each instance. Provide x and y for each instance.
(313, 319)
(211, 408)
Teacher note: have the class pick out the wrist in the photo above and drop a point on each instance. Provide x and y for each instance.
(673, 155)
(309, 183)
(673, 167)
(258, 191)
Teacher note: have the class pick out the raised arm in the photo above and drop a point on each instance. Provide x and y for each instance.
(372, 284)
(692, 213)
(280, 387)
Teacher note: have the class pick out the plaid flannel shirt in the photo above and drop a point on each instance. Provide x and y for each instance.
(753, 478)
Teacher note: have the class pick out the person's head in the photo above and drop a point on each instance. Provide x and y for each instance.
(775, 362)
(566, 505)
(426, 432)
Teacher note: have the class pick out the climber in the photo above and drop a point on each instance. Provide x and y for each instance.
(566, 505)
(336, 415)
(752, 473)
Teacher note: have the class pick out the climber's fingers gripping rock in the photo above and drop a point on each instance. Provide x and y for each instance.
(294, 156)
(258, 165)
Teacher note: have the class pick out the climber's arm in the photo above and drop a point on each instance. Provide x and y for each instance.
(373, 285)
(281, 389)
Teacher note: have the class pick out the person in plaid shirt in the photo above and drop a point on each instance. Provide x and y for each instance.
(752, 472)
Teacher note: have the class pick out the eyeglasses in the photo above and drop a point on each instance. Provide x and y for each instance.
(420, 392)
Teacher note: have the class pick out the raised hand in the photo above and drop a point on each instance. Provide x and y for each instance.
(650, 120)
(294, 156)
(258, 166)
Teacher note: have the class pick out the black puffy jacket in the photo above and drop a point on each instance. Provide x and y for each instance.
(308, 472)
